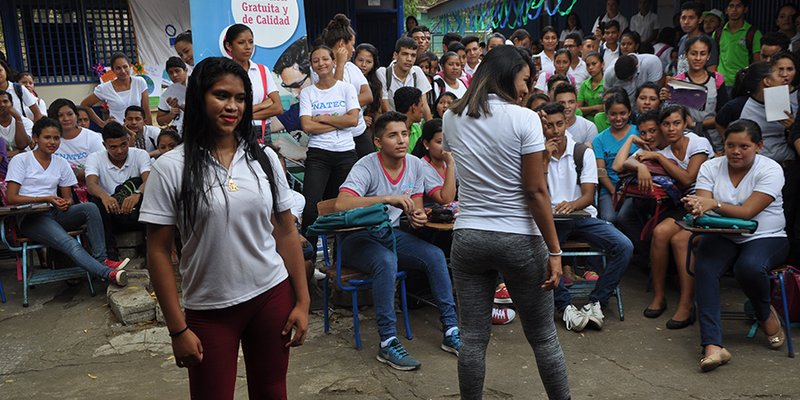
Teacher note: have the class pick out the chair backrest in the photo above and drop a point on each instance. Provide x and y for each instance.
(325, 207)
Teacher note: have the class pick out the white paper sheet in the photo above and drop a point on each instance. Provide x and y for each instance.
(776, 101)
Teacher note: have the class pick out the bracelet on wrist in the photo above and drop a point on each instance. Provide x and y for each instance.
(176, 334)
(555, 254)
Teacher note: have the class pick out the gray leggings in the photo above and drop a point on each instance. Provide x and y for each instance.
(477, 257)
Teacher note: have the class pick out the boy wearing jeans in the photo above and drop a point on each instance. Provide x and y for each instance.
(571, 192)
(394, 178)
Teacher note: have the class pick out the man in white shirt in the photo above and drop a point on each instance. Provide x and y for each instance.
(473, 48)
(115, 179)
(402, 72)
(612, 14)
(14, 128)
(645, 23)
(170, 105)
(578, 67)
(142, 136)
(610, 50)
(579, 129)
(631, 71)
(572, 181)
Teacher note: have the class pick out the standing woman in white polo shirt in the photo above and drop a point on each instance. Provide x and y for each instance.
(124, 91)
(329, 110)
(505, 222)
(266, 100)
(243, 276)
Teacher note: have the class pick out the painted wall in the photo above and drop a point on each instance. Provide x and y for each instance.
(76, 93)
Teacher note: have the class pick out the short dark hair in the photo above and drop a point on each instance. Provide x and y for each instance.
(456, 46)
(587, 37)
(672, 109)
(44, 123)
(134, 109)
(553, 108)
(568, 88)
(651, 115)
(695, 6)
(175, 62)
(405, 97)
(775, 39)
(610, 24)
(117, 56)
(184, 37)
(418, 28)
(171, 133)
(555, 79)
(405, 42)
(385, 119)
(747, 126)
(450, 37)
(625, 67)
(114, 130)
(10, 97)
(58, 104)
(469, 39)
(746, 3)
(647, 85)
(520, 34)
(577, 38)
(536, 96)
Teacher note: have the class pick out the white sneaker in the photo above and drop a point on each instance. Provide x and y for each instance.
(594, 312)
(502, 316)
(575, 319)
(318, 275)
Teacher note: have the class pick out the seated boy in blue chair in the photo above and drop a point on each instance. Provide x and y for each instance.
(572, 189)
(395, 178)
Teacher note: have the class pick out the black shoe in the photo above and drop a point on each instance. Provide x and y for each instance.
(655, 312)
(673, 324)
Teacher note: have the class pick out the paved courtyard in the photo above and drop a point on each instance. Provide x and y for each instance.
(68, 345)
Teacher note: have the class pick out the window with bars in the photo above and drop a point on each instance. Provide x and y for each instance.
(61, 40)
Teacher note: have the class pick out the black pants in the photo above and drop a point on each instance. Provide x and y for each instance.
(364, 145)
(116, 223)
(325, 172)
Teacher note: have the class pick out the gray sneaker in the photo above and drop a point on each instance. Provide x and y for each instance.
(396, 356)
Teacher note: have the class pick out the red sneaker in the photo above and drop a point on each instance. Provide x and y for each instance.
(117, 265)
(502, 316)
(501, 296)
(119, 278)
(591, 276)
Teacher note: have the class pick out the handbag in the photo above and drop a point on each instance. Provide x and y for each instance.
(441, 215)
(791, 280)
(371, 216)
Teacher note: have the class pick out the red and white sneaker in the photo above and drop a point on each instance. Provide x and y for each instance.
(502, 316)
(117, 265)
(501, 296)
(119, 278)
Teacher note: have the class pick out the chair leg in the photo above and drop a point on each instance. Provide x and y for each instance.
(24, 275)
(2, 292)
(619, 304)
(404, 305)
(325, 311)
(786, 322)
(91, 286)
(356, 328)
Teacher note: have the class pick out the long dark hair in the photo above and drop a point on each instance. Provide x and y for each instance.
(429, 130)
(375, 85)
(497, 76)
(199, 139)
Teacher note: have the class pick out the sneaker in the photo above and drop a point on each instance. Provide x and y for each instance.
(119, 278)
(452, 343)
(594, 312)
(318, 275)
(591, 276)
(502, 316)
(396, 356)
(501, 296)
(117, 265)
(574, 319)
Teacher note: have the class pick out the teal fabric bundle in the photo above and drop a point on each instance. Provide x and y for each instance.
(372, 216)
(717, 222)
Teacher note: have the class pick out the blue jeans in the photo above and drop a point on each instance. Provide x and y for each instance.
(605, 236)
(751, 263)
(371, 252)
(50, 229)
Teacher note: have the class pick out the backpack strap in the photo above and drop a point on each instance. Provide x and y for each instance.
(751, 34)
(389, 77)
(577, 156)
(18, 91)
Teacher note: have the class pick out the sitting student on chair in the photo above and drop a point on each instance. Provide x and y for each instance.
(393, 177)
(115, 178)
(38, 177)
(572, 189)
(409, 101)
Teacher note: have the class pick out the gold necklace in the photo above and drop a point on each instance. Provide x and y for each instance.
(231, 184)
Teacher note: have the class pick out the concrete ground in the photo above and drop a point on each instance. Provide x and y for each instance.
(68, 345)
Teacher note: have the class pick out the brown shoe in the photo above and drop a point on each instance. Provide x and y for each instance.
(775, 342)
(713, 361)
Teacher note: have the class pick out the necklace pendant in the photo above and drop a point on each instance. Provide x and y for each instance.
(232, 187)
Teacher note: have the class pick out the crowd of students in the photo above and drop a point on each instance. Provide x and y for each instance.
(533, 141)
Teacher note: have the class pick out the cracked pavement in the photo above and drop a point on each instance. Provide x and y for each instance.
(67, 345)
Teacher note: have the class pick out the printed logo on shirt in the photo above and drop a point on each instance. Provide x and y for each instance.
(407, 188)
(328, 104)
(73, 157)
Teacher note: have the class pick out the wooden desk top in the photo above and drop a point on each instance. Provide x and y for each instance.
(24, 209)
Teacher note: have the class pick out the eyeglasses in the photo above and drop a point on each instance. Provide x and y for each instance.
(295, 85)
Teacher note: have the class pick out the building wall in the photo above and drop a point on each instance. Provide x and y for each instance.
(76, 93)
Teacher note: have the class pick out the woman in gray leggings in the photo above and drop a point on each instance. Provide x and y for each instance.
(505, 222)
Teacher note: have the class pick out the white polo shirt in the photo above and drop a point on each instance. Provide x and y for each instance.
(111, 176)
(230, 254)
(259, 95)
(562, 176)
(583, 130)
(421, 82)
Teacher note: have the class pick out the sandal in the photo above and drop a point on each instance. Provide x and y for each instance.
(775, 341)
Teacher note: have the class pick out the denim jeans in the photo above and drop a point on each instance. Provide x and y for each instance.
(325, 172)
(751, 263)
(50, 228)
(605, 236)
(370, 251)
(605, 206)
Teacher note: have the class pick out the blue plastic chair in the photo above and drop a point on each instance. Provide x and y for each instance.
(351, 280)
(2, 292)
(583, 289)
(779, 275)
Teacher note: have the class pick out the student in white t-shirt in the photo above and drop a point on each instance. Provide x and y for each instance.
(20, 102)
(124, 91)
(397, 179)
(172, 100)
(403, 72)
(580, 129)
(681, 159)
(14, 128)
(329, 109)
(266, 100)
(341, 38)
(38, 177)
(450, 78)
(745, 185)
(26, 79)
(109, 169)
(76, 142)
(244, 282)
(572, 189)
(505, 224)
(141, 135)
